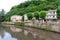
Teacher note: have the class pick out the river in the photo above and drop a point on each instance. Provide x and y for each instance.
(13, 33)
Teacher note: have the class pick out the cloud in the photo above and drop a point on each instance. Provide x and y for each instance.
(7, 36)
(7, 4)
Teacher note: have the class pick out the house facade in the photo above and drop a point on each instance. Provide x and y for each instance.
(51, 15)
(25, 17)
(16, 18)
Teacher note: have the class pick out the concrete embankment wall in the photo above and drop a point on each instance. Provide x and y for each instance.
(52, 27)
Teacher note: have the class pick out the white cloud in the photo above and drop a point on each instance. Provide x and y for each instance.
(7, 36)
(7, 4)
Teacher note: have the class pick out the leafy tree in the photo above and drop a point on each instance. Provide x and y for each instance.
(2, 13)
(42, 14)
(57, 2)
(58, 12)
(30, 16)
(36, 15)
(51, 0)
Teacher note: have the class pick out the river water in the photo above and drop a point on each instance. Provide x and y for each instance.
(12, 33)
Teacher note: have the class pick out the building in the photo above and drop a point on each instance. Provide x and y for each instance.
(25, 17)
(51, 15)
(16, 18)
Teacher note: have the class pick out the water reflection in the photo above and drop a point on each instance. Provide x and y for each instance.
(6, 36)
(23, 33)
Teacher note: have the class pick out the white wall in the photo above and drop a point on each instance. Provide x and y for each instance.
(16, 18)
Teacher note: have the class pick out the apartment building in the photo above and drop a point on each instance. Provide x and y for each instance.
(51, 15)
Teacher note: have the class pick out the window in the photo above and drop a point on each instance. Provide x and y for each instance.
(13, 18)
(53, 16)
(53, 11)
(50, 16)
(16, 20)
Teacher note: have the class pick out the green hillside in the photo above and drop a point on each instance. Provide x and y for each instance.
(32, 6)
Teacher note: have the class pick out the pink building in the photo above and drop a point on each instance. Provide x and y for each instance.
(16, 18)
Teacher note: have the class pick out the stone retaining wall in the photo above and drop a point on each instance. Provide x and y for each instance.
(52, 27)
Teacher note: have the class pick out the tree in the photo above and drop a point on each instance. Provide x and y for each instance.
(30, 16)
(51, 0)
(36, 15)
(2, 15)
(42, 14)
(58, 12)
(2, 12)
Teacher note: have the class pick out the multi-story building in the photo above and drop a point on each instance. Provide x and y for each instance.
(51, 15)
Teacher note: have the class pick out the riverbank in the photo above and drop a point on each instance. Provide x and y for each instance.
(27, 33)
(50, 27)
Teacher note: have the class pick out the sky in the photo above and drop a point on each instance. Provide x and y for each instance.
(7, 4)
(7, 36)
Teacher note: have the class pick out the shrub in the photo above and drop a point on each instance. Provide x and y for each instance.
(19, 24)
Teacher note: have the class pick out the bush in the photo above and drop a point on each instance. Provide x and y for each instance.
(19, 24)
(30, 16)
(46, 29)
(42, 14)
(36, 15)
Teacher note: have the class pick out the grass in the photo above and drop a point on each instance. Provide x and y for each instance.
(19, 24)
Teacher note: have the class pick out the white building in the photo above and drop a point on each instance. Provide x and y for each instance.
(51, 14)
(25, 17)
(16, 18)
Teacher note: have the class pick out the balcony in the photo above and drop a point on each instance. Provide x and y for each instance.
(51, 18)
(51, 13)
